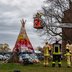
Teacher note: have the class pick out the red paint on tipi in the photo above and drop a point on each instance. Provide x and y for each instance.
(23, 43)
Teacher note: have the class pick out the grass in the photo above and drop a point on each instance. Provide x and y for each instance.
(10, 67)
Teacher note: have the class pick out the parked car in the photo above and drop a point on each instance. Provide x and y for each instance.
(25, 59)
(5, 57)
(40, 57)
(1, 57)
(34, 58)
(30, 56)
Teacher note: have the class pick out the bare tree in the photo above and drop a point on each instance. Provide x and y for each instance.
(53, 13)
(4, 47)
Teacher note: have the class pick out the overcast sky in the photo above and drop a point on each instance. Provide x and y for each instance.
(11, 12)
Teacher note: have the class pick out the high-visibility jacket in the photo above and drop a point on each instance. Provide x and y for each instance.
(46, 50)
(68, 58)
(69, 46)
(56, 48)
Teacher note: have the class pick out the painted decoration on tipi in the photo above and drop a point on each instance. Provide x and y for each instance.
(23, 43)
(38, 21)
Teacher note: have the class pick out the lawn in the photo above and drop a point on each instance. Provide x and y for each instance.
(10, 67)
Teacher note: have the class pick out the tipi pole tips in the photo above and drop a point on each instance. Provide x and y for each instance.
(23, 22)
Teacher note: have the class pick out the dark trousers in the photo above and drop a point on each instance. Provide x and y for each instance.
(56, 58)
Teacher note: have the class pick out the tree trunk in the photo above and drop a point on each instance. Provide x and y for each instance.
(66, 35)
(67, 32)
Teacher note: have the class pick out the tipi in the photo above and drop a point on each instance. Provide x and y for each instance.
(23, 43)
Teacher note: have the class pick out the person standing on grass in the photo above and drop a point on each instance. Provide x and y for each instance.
(68, 58)
(56, 52)
(69, 47)
(46, 53)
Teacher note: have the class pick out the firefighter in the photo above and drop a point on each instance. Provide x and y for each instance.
(56, 54)
(46, 53)
(68, 58)
(69, 46)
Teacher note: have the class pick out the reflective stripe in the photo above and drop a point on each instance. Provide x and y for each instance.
(53, 62)
(68, 54)
(46, 54)
(59, 62)
(59, 50)
(56, 53)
